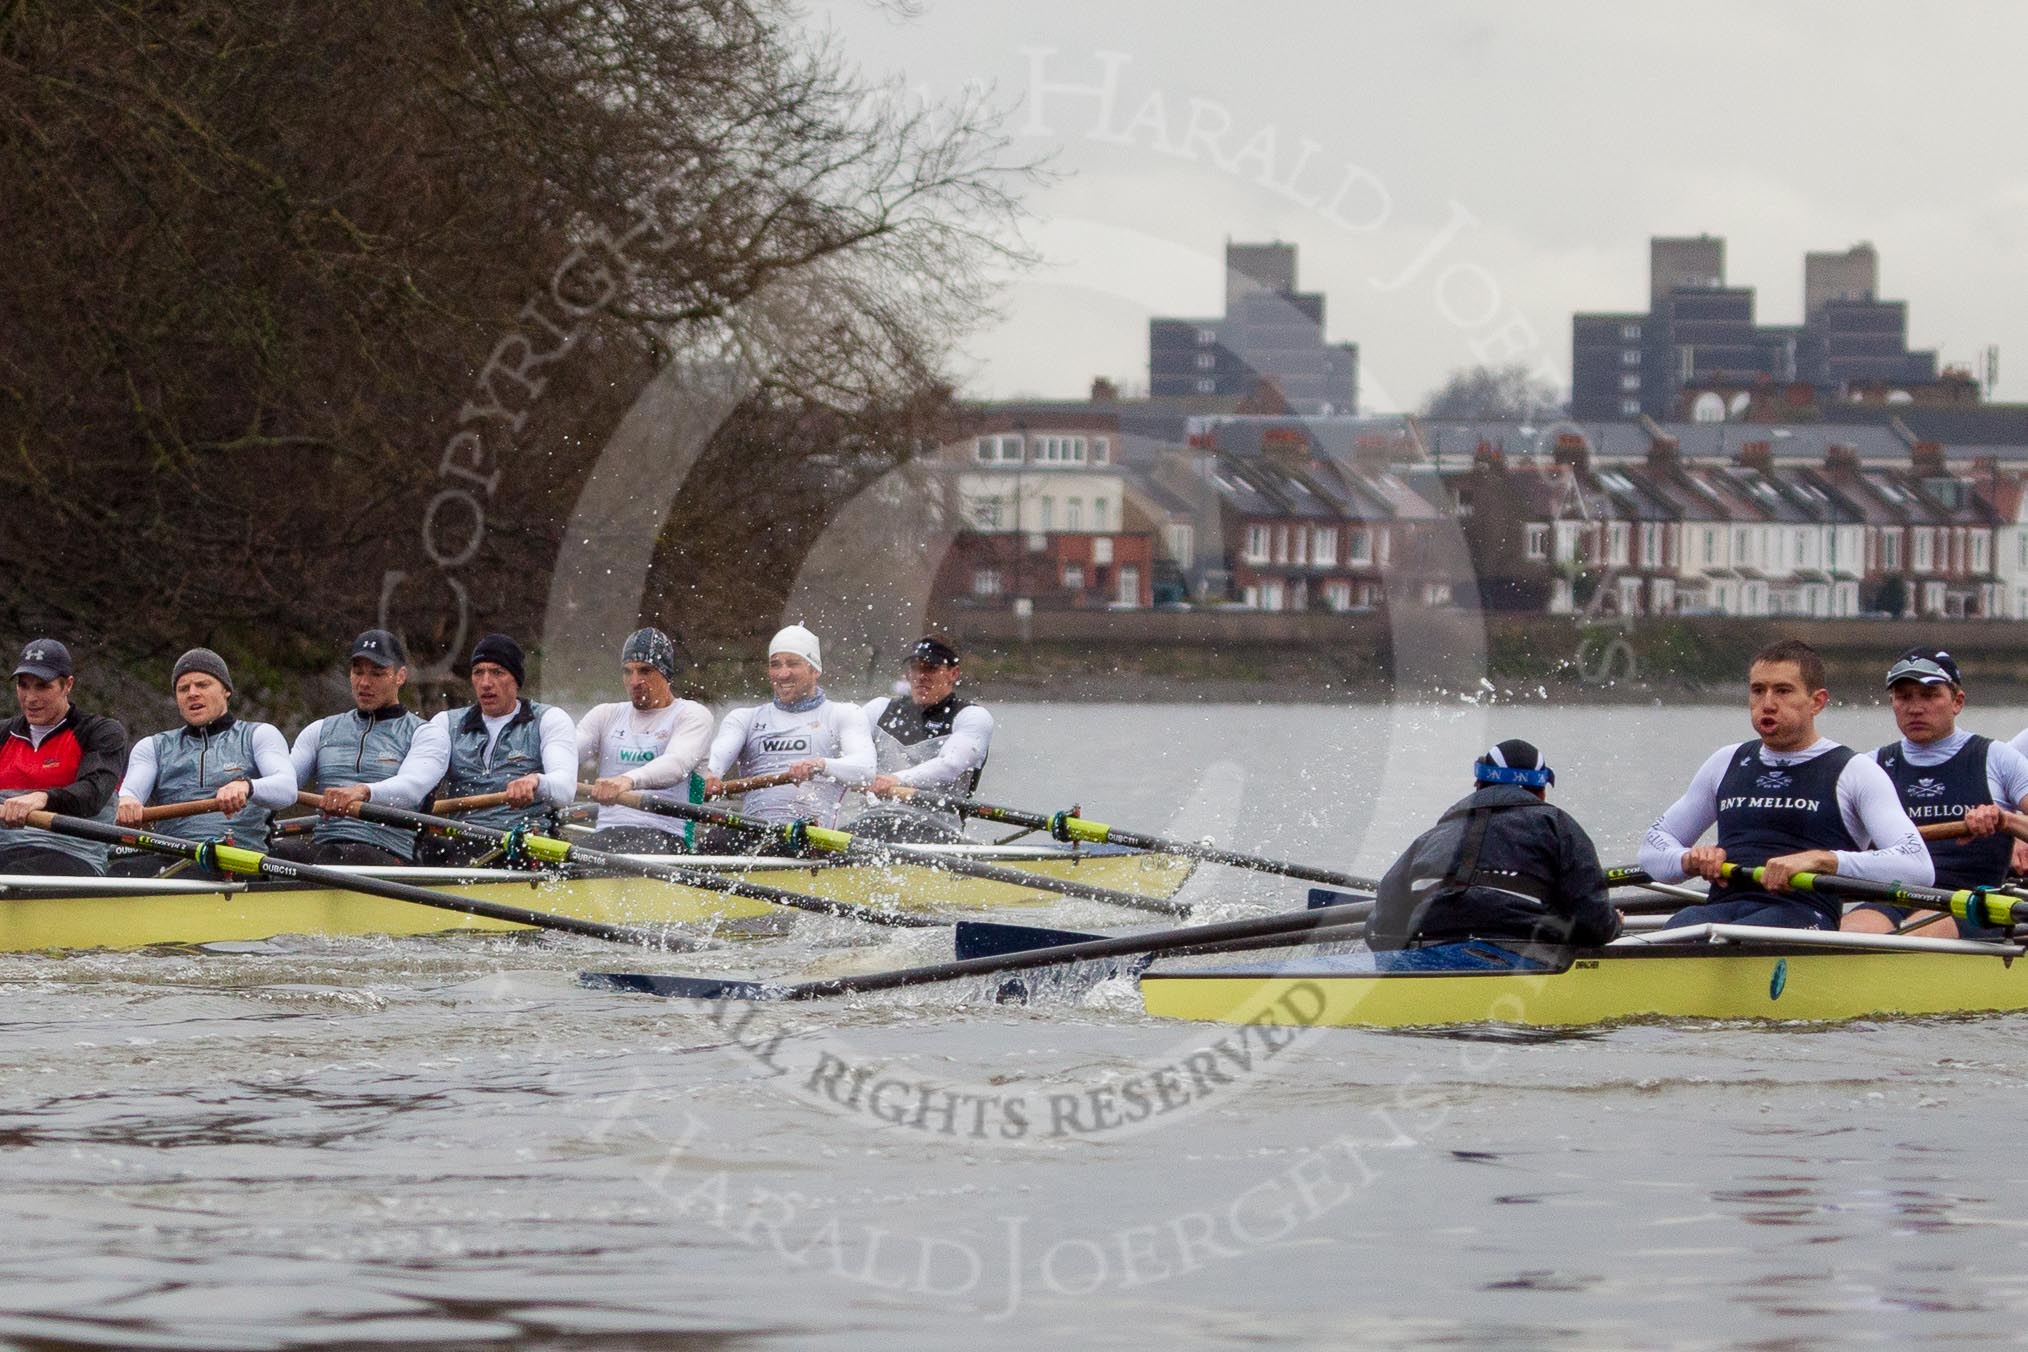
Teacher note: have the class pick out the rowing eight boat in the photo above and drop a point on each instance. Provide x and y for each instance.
(47, 913)
(1699, 972)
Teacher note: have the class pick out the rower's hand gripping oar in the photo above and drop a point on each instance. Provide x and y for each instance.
(1189, 939)
(249, 863)
(1070, 827)
(799, 835)
(548, 850)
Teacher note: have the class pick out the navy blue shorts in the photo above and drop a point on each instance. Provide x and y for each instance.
(1757, 909)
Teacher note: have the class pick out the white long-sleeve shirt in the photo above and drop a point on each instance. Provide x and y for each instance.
(558, 739)
(945, 760)
(274, 788)
(654, 748)
(1867, 804)
(422, 768)
(769, 738)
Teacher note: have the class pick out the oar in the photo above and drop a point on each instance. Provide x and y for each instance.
(477, 801)
(851, 847)
(1187, 939)
(163, 812)
(549, 850)
(1979, 906)
(1632, 876)
(238, 859)
(733, 787)
(1069, 826)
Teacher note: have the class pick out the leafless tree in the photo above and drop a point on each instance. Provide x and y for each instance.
(261, 259)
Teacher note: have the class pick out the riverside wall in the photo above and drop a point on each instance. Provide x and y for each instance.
(1307, 655)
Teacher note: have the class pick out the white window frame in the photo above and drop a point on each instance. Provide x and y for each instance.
(1324, 546)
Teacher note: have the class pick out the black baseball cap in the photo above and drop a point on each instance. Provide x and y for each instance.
(932, 651)
(381, 648)
(1931, 666)
(43, 658)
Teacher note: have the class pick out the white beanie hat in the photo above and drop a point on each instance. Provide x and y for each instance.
(799, 641)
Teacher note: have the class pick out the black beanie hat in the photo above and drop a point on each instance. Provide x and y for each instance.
(501, 651)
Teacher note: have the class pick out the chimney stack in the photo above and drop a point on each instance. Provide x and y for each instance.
(1665, 453)
(1841, 455)
(1572, 451)
(1104, 391)
(1757, 455)
(1928, 458)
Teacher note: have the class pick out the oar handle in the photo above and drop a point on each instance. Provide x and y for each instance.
(163, 812)
(733, 787)
(445, 807)
(1944, 830)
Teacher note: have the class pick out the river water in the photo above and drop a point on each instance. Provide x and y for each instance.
(447, 1143)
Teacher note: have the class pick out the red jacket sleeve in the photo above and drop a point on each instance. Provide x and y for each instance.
(103, 759)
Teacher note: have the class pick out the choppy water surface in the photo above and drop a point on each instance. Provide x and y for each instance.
(447, 1142)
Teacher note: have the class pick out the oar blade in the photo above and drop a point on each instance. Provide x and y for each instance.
(989, 939)
(1330, 896)
(678, 987)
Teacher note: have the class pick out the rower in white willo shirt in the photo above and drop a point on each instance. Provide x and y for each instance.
(822, 744)
(650, 741)
(927, 737)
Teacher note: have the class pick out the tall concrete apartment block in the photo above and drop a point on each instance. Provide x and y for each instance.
(1269, 330)
(1697, 332)
(1851, 275)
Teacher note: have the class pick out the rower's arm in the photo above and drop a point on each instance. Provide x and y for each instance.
(730, 741)
(856, 761)
(104, 744)
(275, 786)
(139, 781)
(962, 752)
(303, 754)
(591, 736)
(559, 758)
(1689, 817)
(1872, 809)
(689, 742)
(422, 769)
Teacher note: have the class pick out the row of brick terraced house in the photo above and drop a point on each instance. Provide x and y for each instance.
(1095, 505)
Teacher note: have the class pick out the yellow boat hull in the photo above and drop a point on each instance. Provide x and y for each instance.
(37, 922)
(1606, 986)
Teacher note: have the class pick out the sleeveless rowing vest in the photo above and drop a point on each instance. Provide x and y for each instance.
(918, 734)
(1934, 793)
(517, 751)
(192, 763)
(1765, 811)
(356, 748)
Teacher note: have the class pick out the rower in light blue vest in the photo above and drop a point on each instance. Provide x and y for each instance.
(379, 753)
(503, 743)
(244, 766)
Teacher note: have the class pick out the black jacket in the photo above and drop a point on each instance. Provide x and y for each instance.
(1536, 879)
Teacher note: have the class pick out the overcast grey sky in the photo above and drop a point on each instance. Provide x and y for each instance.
(1460, 177)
